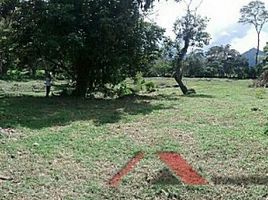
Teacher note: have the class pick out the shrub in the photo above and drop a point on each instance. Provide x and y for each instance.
(14, 74)
(138, 82)
(40, 74)
(263, 80)
(123, 90)
(260, 93)
(150, 87)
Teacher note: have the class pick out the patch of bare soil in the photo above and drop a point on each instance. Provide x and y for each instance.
(9, 133)
(144, 133)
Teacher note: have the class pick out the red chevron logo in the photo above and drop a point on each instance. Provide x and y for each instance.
(174, 161)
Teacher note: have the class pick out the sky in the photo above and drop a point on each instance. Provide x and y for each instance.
(223, 25)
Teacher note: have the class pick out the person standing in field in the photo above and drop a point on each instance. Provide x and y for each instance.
(48, 84)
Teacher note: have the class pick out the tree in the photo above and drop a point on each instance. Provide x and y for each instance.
(263, 78)
(162, 66)
(217, 61)
(195, 64)
(94, 43)
(224, 61)
(151, 35)
(266, 53)
(256, 14)
(7, 8)
(190, 31)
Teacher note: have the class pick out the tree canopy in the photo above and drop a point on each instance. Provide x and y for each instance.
(190, 31)
(92, 42)
(255, 14)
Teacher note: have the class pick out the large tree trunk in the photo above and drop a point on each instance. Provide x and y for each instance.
(3, 66)
(258, 49)
(179, 66)
(81, 88)
(3, 69)
(82, 80)
(178, 77)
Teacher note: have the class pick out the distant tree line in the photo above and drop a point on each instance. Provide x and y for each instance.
(217, 61)
(263, 78)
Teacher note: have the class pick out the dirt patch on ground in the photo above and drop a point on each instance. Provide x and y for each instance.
(9, 133)
(184, 138)
(144, 133)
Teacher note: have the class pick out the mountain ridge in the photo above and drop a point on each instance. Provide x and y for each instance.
(250, 55)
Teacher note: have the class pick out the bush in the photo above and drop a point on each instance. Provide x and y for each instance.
(40, 74)
(150, 87)
(161, 68)
(263, 80)
(138, 82)
(14, 74)
(123, 90)
(260, 93)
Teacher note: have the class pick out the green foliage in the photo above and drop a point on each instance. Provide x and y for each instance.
(138, 79)
(150, 86)
(151, 50)
(95, 43)
(14, 74)
(191, 30)
(139, 82)
(195, 64)
(260, 93)
(255, 14)
(262, 70)
(161, 68)
(217, 61)
(123, 89)
(265, 60)
(266, 130)
(226, 62)
(139, 85)
(40, 74)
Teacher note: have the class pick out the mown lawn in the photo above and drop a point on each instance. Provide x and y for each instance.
(67, 148)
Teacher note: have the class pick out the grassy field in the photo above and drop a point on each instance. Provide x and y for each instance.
(67, 148)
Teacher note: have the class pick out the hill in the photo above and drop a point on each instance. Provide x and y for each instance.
(250, 56)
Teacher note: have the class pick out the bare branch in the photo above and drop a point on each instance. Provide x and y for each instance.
(189, 4)
(199, 5)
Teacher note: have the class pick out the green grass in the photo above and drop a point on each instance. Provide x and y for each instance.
(68, 148)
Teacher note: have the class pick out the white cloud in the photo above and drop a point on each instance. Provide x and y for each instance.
(250, 40)
(223, 16)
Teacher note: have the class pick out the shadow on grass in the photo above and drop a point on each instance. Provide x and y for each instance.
(241, 180)
(165, 177)
(40, 112)
(199, 96)
(160, 97)
(175, 97)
